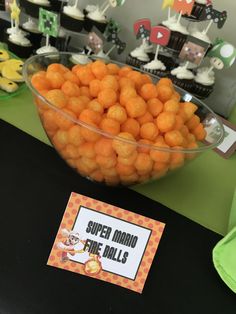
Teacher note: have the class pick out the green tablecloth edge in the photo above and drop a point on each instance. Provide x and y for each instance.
(173, 191)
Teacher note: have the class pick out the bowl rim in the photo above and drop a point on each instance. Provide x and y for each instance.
(199, 149)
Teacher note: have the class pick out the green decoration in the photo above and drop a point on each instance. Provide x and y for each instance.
(112, 27)
(48, 22)
(224, 53)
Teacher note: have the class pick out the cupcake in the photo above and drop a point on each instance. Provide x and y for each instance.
(182, 77)
(72, 18)
(203, 83)
(19, 44)
(95, 18)
(155, 67)
(34, 34)
(138, 56)
(80, 58)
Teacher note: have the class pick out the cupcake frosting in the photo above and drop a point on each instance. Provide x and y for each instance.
(140, 54)
(201, 1)
(171, 20)
(155, 65)
(30, 25)
(80, 58)
(19, 39)
(182, 73)
(205, 78)
(73, 12)
(97, 15)
(40, 2)
(101, 54)
(177, 27)
(91, 8)
(46, 49)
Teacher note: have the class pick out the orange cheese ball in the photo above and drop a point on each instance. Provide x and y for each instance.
(85, 75)
(94, 88)
(190, 156)
(40, 82)
(89, 116)
(146, 79)
(158, 155)
(90, 135)
(189, 109)
(199, 132)
(176, 159)
(131, 126)
(113, 69)
(143, 163)
(155, 106)
(166, 121)
(160, 166)
(76, 67)
(48, 119)
(110, 126)
(109, 82)
(109, 172)
(106, 162)
(95, 106)
(193, 122)
(136, 107)
(178, 122)
(84, 91)
(104, 147)
(117, 113)
(82, 168)
(165, 81)
(56, 79)
(129, 160)
(149, 131)
(57, 67)
(174, 138)
(136, 77)
(84, 98)
(70, 152)
(99, 69)
(87, 149)
(122, 147)
(127, 93)
(76, 104)
(164, 93)
(126, 82)
(130, 179)
(124, 170)
(144, 146)
(148, 91)
(147, 117)
(74, 136)
(176, 96)
(97, 176)
(107, 97)
(124, 71)
(60, 139)
(171, 105)
(65, 119)
(57, 98)
(70, 76)
(70, 89)
(90, 163)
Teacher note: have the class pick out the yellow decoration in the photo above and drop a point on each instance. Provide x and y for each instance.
(8, 85)
(15, 13)
(10, 69)
(167, 3)
(4, 55)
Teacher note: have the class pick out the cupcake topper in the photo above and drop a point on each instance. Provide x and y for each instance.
(160, 36)
(222, 55)
(193, 51)
(213, 16)
(15, 13)
(112, 26)
(142, 29)
(111, 3)
(113, 37)
(183, 7)
(95, 43)
(169, 4)
(48, 24)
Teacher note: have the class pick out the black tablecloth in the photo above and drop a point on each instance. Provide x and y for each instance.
(35, 187)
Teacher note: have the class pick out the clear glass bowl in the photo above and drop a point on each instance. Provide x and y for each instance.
(112, 159)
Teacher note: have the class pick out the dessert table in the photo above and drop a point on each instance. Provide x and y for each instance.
(36, 185)
(202, 191)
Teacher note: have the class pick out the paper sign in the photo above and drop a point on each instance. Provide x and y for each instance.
(228, 146)
(209, 13)
(160, 35)
(183, 6)
(167, 3)
(48, 22)
(95, 42)
(143, 23)
(193, 50)
(106, 242)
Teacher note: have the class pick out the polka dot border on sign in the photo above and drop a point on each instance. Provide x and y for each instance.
(71, 212)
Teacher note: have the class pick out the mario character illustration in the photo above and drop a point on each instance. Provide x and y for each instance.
(68, 246)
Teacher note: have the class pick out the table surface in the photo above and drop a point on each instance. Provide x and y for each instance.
(35, 187)
(202, 191)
